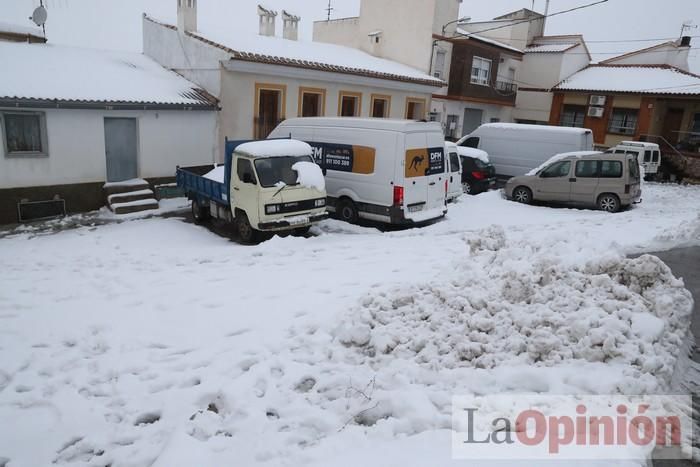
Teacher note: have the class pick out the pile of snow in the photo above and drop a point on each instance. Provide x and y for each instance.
(217, 174)
(558, 157)
(275, 148)
(474, 153)
(310, 175)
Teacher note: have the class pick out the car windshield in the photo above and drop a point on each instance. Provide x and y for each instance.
(273, 170)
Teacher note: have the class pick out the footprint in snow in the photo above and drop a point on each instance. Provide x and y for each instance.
(147, 418)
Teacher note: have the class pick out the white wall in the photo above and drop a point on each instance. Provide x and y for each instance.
(448, 107)
(344, 31)
(191, 58)
(668, 54)
(76, 146)
(533, 105)
(238, 94)
(573, 60)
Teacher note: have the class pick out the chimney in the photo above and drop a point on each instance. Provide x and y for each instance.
(187, 15)
(267, 21)
(685, 41)
(291, 25)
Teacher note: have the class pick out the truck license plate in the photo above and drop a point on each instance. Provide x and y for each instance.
(299, 220)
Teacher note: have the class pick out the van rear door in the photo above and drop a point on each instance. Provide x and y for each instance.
(424, 176)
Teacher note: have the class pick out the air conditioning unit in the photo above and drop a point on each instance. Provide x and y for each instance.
(596, 112)
(598, 100)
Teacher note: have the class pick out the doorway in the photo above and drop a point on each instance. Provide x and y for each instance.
(472, 120)
(672, 125)
(121, 149)
(269, 110)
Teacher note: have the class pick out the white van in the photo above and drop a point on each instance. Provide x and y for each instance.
(648, 154)
(515, 149)
(390, 171)
(454, 171)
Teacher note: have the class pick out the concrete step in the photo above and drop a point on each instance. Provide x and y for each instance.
(134, 206)
(119, 198)
(126, 186)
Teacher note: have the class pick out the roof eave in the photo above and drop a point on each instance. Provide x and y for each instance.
(68, 104)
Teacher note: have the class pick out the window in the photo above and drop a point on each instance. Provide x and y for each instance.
(381, 106)
(623, 122)
(349, 104)
(696, 123)
(454, 162)
(269, 109)
(647, 156)
(312, 102)
(558, 169)
(245, 168)
(24, 133)
(634, 169)
(481, 71)
(573, 115)
(495, 120)
(439, 64)
(587, 169)
(655, 157)
(611, 169)
(273, 170)
(472, 142)
(415, 109)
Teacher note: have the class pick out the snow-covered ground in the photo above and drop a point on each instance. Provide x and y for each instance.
(157, 342)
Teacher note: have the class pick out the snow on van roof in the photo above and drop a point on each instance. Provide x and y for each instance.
(368, 123)
(562, 156)
(523, 126)
(275, 148)
(474, 153)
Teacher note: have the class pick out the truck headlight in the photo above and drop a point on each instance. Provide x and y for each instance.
(319, 203)
(272, 208)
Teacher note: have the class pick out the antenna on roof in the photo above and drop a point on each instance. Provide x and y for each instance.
(688, 24)
(39, 16)
(329, 10)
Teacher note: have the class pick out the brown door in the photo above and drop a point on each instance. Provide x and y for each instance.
(268, 112)
(672, 125)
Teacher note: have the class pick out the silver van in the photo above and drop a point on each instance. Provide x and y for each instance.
(607, 181)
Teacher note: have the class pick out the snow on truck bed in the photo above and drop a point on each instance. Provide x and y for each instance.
(175, 351)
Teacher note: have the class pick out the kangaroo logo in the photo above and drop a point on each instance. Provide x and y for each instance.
(416, 162)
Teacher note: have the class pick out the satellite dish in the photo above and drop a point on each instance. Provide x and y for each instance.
(39, 16)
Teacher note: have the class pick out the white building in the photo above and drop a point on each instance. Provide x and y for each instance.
(262, 79)
(72, 119)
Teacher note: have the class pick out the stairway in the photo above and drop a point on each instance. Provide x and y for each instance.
(129, 196)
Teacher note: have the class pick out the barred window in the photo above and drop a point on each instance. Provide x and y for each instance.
(623, 122)
(481, 71)
(573, 116)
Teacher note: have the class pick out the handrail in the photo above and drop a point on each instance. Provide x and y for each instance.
(665, 141)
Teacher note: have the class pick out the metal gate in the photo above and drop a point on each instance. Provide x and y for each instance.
(472, 120)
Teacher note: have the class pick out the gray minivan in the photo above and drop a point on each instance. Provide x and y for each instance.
(607, 181)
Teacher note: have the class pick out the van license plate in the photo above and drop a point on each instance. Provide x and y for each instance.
(416, 208)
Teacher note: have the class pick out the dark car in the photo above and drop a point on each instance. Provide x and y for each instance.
(477, 176)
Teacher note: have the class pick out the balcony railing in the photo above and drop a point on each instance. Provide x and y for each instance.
(506, 86)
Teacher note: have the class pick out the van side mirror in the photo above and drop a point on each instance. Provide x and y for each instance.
(248, 178)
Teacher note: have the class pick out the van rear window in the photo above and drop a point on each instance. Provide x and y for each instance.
(610, 169)
(634, 169)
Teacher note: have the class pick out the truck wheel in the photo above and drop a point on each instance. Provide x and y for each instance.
(608, 202)
(245, 231)
(347, 211)
(523, 195)
(199, 214)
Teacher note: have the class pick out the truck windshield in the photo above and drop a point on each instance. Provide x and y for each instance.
(273, 170)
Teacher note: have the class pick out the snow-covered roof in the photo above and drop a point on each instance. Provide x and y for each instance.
(550, 48)
(44, 72)
(488, 40)
(275, 148)
(312, 55)
(639, 79)
(13, 28)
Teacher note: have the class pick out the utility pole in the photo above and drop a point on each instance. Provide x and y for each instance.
(329, 10)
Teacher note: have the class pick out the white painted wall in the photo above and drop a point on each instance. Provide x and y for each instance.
(190, 58)
(573, 60)
(238, 93)
(449, 107)
(344, 31)
(76, 146)
(669, 54)
(533, 105)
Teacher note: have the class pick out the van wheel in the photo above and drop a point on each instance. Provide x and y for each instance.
(245, 231)
(347, 211)
(199, 214)
(467, 188)
(523, 195)
(608, 202)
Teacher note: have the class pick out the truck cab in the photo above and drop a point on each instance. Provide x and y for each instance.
(263, 187)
